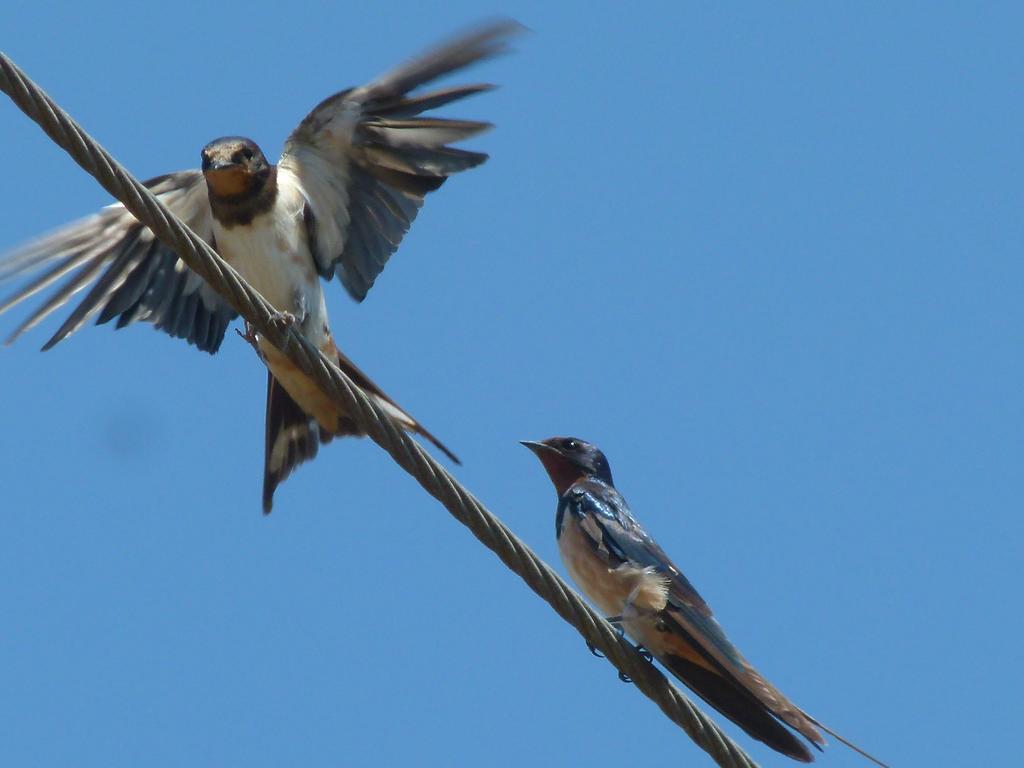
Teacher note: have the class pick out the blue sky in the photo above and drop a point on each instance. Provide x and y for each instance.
(767, 256)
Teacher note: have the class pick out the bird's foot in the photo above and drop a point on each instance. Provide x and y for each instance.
(283, 320)
(616, 622)
(645, 655)
(250, 337)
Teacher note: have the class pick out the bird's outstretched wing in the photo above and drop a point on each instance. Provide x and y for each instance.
(366, 157)
(133, 276)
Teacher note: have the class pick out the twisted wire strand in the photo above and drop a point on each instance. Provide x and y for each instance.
(379, 426)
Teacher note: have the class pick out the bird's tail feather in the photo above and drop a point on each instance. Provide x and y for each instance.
(394, 409)
(292, 438)
(847, 742)
(739, 705)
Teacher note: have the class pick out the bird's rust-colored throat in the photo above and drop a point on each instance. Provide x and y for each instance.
(234, 181)
(562, 471)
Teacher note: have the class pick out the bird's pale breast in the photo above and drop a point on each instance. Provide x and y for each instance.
(608, 588)
(272, 254)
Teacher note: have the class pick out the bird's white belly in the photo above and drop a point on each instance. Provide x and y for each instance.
(623, 590)
(273, 256)
(591, 574)
(271, 253)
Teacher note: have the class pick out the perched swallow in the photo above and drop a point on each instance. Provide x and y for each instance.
(633, 582)
(347, 187)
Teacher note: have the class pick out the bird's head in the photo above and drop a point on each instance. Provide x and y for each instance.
(568, 459)
(234, 168)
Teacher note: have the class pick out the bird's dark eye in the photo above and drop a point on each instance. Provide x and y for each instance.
(572, 445)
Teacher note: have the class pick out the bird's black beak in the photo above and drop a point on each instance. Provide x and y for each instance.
(562, 470)
(217, 165)
(536, 447)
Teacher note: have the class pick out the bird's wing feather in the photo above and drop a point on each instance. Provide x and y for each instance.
(366, 157)
(133, 276)
(621, 534)
(630, 542)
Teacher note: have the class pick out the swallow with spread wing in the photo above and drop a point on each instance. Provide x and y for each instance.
(348, 185)
(631, 580)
